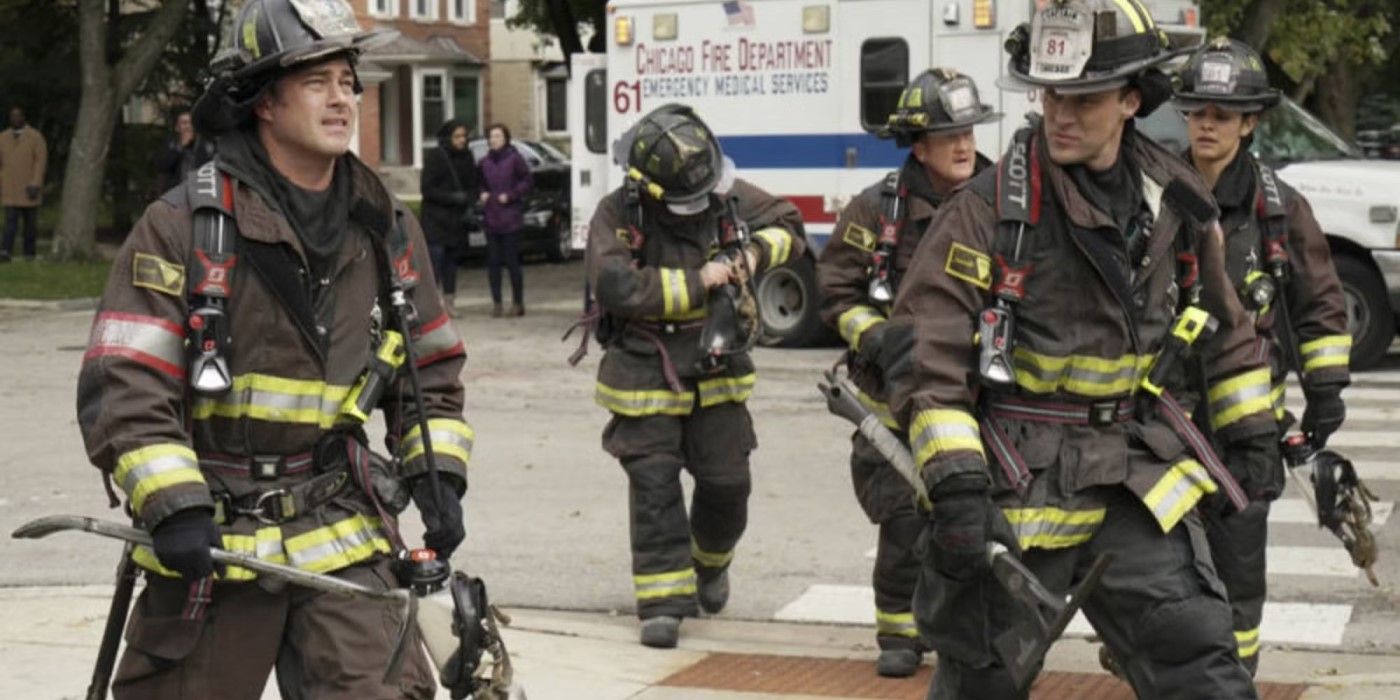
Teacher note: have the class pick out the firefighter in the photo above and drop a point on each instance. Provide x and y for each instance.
(1034, 353)
(661, 251)
(859, 270)
(231, 362)
(1277, 258)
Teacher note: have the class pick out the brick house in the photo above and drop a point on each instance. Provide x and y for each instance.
(436, 69)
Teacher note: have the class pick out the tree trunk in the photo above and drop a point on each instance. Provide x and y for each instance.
(1337, 94)
(105, 87)
(1258, 22)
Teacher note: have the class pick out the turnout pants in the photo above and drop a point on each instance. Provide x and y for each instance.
(1159, 608)
(888, 501)
(670, 549)
(323, 646)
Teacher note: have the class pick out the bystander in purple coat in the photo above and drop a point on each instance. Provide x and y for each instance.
(503, 171)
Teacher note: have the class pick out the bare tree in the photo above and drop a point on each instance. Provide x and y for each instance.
(105, 87)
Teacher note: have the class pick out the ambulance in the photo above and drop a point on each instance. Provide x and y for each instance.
(796, 89)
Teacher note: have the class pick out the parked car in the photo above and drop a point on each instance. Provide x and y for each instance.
(547, 206)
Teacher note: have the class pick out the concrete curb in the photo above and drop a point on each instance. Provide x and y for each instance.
(79, 304)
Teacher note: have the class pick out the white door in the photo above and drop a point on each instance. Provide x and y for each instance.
(588, 140)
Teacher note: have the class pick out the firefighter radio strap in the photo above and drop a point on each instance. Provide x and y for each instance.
(210, 282)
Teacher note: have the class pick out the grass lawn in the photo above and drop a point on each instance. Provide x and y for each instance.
(52, 280)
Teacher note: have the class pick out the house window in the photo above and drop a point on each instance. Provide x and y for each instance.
(425, 10)
(461, 11)
(433, 108)
(466, 102)
(884, 70)
(384, 8)
(556, 104)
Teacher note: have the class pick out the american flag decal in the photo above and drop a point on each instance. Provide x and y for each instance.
(739, 13)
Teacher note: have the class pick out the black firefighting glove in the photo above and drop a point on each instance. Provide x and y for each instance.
(1324, 414)
(896, 351)
(1256, 464)
(870, 343)
(442, 513)
(963, 522)
(182, 543)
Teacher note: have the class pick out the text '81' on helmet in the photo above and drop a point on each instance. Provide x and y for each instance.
(269, 38)
(1226, 73)
(675, 158)
(937, 100)
(1085, 46)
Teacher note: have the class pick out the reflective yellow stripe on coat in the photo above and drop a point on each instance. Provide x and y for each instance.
(938, 430)
(1239, 397)
(675, 296)
(449, 436)
(725, 389)
(779, 242)
(277, 400)
(855, 321)
(328, 548)
(1084, 375)
(146, 470)
(1177, 492)
(1053, 528)
(1327, 351)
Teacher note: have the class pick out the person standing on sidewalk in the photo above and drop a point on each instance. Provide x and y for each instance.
(1269, 228)
(23, 157)
(184, 151)
(859, 271)
(221, 389)
(652, 261)
(505, 180)
(449, 186)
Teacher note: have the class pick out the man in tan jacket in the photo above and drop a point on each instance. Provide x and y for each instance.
(23, 155)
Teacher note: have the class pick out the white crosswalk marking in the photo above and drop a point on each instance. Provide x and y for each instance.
(1311, 561)
(1284, 623)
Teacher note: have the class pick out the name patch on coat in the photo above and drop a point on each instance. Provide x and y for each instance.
(969, 265)
(860, 237)
(157, 274)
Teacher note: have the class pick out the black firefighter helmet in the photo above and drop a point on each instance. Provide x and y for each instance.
(269, 38)
(1226, 73)
(675, 158)
(937, 100)
(1086, 46)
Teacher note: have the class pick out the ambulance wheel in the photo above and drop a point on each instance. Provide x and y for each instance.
(790, 305)
(1369, 317)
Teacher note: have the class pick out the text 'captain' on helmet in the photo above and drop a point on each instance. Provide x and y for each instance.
(937, 100)
(270, 38)
(675, 158)
(1226, 73)
(1088, 46)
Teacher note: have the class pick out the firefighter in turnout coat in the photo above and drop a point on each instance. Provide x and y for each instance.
(1277, 257)
(858, 272)
(1034, 353)
(226, 383)
(659, 249)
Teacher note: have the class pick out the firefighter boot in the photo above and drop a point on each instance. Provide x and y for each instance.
(713, 591)
(661, 632)
(898, 663)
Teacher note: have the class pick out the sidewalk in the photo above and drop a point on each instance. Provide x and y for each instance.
(49, 637)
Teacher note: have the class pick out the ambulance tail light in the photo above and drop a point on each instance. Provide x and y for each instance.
(984, 14)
